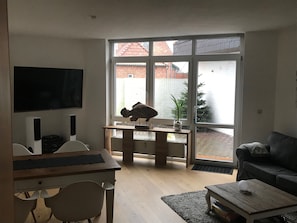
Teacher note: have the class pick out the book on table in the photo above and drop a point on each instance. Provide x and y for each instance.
(226, 214)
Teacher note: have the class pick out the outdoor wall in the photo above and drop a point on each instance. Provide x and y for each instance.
(64, 53)
(285, 119)
(219, 79)
(260, 66)
(132, 90)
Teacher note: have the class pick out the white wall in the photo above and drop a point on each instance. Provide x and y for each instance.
(96, 92)
(269, 94)
(260, 65)
(64, 53)
(285, 119)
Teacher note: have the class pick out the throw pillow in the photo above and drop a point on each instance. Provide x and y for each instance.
(257, 149)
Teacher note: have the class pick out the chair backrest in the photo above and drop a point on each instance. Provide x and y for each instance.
(72, 146)
(22, 208)
(20, 150)
(76, 202)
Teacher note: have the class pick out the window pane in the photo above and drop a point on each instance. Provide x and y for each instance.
(172, 48)
(171, 78)
(131, 49)
(216, 92)
(225, 45)
(130, 85)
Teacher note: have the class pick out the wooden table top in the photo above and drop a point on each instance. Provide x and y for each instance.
(109, 164)
(263, 198)
(154, 129)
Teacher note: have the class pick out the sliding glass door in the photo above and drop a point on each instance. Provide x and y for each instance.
(215, 108)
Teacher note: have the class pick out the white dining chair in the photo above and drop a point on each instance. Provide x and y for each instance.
(69, 146)
(21, 150)
(23, 206)
(72, 146)
(76, 202)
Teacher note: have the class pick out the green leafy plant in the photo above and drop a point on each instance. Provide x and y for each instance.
(178, 107)
(203, 110)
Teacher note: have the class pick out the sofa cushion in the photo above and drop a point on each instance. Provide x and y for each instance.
(265, 172)
(287, 183)
(283, 150)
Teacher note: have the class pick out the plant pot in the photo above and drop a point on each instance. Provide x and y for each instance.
(177, 125)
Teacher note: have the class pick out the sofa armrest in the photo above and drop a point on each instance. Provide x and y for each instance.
(253, 151)
(245, 153)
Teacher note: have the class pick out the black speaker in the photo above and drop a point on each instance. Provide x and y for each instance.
(51, 143)
(33, 132)
(36, 129)
(70, 133)
(72, 125)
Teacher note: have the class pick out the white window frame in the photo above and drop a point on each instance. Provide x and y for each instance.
(150, 60)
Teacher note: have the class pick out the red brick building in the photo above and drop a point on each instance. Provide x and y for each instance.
(138, 69)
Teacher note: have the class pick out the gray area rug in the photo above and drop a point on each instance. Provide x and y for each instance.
(192, 208)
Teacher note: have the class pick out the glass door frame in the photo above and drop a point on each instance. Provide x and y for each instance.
(237, 108)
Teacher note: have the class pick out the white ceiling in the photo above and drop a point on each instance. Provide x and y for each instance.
(147, 18)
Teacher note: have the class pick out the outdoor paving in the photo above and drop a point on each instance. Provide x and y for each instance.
(214, 145)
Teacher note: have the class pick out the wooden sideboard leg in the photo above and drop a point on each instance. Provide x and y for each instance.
(161, 149)
(109, 205)
(107, 139)
(189, 150)
(128, 146)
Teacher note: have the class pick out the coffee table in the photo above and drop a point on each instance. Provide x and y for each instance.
(265, 200)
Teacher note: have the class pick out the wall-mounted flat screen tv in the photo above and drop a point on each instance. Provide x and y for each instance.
(39, 88)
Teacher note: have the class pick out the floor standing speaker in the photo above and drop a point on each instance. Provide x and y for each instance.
(72, 128)
(33, 132)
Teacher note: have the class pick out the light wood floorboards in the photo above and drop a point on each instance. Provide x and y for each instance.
(139, 188)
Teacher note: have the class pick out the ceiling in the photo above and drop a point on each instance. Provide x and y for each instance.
(115, 19)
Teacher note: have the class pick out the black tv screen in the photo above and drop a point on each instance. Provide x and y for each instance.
(39, 88)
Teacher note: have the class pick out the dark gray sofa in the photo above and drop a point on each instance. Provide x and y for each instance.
(274, 163)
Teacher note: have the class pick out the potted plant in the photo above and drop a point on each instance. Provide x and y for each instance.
(177, 123)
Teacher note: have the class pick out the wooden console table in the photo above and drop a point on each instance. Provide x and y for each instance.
(160, 146)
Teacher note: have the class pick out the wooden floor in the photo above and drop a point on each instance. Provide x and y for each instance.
(139, 188)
